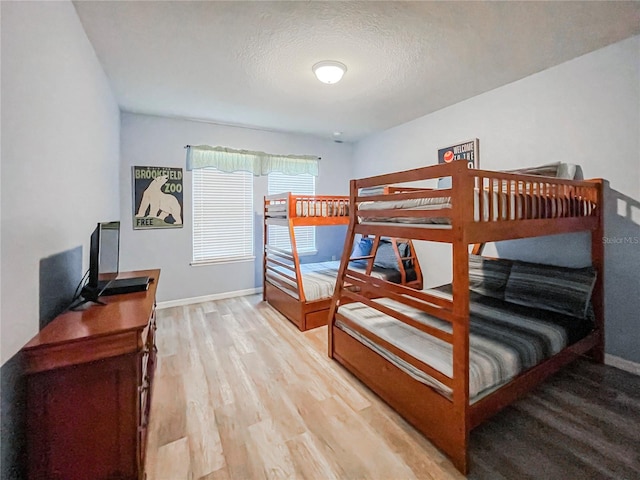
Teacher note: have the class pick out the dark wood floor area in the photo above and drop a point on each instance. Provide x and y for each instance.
(241, 394)
(583, 423)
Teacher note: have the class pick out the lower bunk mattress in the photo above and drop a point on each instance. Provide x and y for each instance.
(504, 340)
(319, 279)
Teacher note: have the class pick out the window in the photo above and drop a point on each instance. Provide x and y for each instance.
(222, 216)
(300, 185)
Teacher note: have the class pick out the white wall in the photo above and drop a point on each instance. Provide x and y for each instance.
(585, 111)
(60, 140)
(157, 141)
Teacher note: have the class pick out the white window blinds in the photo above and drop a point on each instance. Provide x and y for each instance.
(300, 185)
(222, 216)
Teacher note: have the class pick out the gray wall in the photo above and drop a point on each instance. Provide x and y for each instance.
(158, 141)
(60, 149)
(585, 111)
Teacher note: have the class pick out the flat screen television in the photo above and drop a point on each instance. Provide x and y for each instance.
(104, 254)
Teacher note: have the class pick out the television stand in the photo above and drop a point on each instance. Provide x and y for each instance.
(124, 285)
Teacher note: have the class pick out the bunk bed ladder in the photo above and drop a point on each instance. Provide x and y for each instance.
(413, 256)
(296, 260)
(374, 251)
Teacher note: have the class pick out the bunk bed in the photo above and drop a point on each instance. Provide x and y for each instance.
(302, 292)
(439, 356)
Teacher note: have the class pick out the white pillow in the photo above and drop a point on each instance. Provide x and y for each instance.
(557, 170)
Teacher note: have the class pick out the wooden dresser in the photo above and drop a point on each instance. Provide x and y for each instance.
(89, 376)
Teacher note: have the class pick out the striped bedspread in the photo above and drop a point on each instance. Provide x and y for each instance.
(318, 279)
(504, 340)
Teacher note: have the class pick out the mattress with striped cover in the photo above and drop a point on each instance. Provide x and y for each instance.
(504, 340)
(319, 279)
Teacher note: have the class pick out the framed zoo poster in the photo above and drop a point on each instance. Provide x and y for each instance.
(157, 197)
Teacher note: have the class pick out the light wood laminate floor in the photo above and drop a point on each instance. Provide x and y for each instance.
(241, 394)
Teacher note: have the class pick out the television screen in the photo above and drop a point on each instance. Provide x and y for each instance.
(109, 249)
(104, 253)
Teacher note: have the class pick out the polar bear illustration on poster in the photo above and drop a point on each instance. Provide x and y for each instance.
(160, 204)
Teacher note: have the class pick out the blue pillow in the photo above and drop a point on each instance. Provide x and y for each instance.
(362, 249)
(386, 256)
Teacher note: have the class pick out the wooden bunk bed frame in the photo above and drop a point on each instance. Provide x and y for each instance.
(290, 211)
(448, 422)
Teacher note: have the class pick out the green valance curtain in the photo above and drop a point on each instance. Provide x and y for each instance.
(258, 163)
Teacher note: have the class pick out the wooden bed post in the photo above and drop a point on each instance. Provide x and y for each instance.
(597, 261)
(344, 263)
(462, 185)
(264, 251)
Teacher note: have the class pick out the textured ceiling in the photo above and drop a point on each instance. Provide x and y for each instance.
(249, 63)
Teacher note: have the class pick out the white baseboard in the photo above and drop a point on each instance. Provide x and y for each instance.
(622, 364)
(207, 298)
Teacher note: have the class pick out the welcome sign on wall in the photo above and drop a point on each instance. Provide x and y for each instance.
(157, 197)
(468, 151)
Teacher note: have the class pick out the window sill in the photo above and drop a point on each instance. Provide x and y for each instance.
(307, 253)
(222, 261)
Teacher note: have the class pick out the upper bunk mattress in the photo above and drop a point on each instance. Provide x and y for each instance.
(515, 206)
(504, 339)
(311, 208)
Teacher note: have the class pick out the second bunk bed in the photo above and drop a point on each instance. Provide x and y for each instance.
(302, 291)
(448, 358)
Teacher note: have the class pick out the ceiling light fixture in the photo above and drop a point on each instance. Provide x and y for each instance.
(329, 71)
